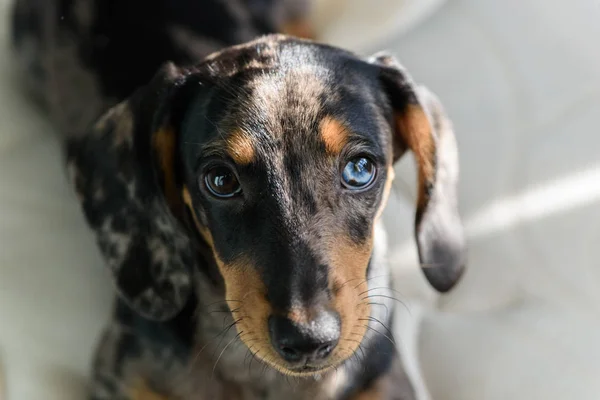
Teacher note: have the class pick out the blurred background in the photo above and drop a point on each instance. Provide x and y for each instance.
(521, 81)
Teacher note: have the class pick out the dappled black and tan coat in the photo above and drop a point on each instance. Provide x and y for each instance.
(198, 278)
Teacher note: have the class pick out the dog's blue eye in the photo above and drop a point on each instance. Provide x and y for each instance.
(222, 182)
(358, 173)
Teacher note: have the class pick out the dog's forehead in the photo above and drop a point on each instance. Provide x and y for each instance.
(293, 94)
(276, 69)
(288, 100)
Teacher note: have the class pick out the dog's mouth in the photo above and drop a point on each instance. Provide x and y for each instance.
(306, 369)
(309, 369)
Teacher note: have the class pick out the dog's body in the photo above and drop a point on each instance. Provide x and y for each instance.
(220, 292)
(101, 51)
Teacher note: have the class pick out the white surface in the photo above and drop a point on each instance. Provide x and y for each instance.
(357, 24)
(54, 295)
(521, 81)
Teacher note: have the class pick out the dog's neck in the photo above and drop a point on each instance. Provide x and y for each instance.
(220, 356)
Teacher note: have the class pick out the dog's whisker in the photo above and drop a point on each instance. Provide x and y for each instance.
(222, 335)
(359, 344)
(204, 308)
(226, 316)
(223, 351)
(254, 356)
(358, 348)
(224, 301)
(359, 358)
(388, 297)
(335, 368)
(382, 334)
(370, 279)
(249, 292)
(379, 322)
(206, 345)
(353, 354)
(287, 380)
(224, 311)
(364, 357)
(248, 353)
(264, 368)
(249, 340)
(381, 288)
(348, 281)
(387, 310)
(194, 360)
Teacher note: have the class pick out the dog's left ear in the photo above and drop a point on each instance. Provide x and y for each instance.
(419, 124)
(124, 173)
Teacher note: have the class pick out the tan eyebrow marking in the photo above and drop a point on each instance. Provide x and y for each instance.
(240, 148)
(334, 134)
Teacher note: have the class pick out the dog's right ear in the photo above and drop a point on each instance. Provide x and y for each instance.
(419, 124)
(123, 171)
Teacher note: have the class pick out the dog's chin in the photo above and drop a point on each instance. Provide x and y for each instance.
(310, 370)
(306, 370)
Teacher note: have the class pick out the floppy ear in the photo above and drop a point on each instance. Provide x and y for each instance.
(123, 171)
(420, 125)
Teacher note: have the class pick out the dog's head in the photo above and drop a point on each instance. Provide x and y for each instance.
(280, 154)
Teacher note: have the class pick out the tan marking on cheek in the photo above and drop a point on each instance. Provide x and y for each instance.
(349, 262)
(163, 143)
(415, 129)
(240, 148)
(386, 191)
(334, 134)
(246, 297)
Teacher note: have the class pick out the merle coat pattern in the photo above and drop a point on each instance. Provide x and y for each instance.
(200, 278)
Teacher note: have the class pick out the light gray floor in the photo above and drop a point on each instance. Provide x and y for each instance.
(521, 80)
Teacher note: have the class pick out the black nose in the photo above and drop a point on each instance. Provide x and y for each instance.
(303, 342)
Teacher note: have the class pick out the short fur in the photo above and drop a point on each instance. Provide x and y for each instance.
(197, 277)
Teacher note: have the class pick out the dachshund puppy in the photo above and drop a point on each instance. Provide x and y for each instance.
(236, 196)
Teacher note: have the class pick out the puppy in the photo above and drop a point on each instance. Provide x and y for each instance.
(236, 199)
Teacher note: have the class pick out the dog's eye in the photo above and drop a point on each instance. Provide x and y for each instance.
(222, 182)
(358, 173)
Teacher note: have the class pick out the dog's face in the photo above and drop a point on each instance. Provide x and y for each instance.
(280, 153)
(286, 166)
